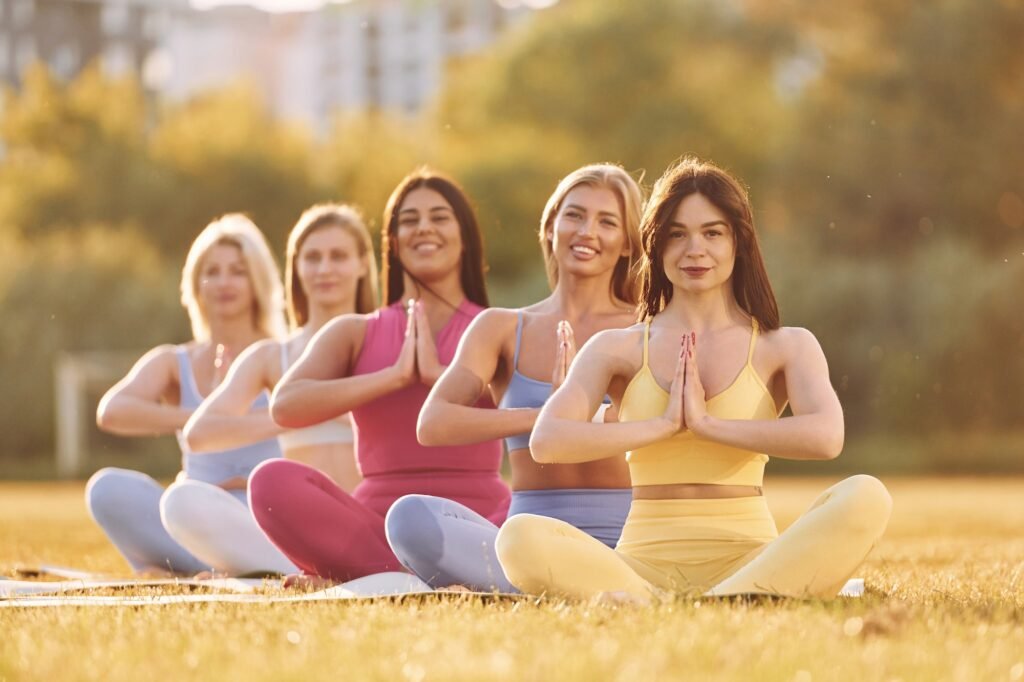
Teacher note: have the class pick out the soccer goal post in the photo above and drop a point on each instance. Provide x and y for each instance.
(80, 379)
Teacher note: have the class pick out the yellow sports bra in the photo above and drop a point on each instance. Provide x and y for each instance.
(685, 458)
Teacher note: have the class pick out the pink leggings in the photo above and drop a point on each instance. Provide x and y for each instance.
(329, 533)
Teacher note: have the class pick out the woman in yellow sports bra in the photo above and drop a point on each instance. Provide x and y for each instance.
(700, 385)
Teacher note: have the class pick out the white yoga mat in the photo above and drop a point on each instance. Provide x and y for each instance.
(25, 594)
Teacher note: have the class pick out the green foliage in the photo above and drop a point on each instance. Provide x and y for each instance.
(98, 289)
(881, 144)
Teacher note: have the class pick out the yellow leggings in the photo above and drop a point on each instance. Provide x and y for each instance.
(715, 547)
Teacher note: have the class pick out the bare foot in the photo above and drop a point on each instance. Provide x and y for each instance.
(155, 573)
(621, 598)
(302, 581)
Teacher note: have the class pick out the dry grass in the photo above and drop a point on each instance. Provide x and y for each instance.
(946, 602)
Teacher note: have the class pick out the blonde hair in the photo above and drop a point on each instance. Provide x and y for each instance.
(631, 198)
(314, 218)
(235, 229)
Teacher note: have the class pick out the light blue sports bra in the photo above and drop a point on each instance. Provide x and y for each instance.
(329, 432)
(522, 391)
(217, 467)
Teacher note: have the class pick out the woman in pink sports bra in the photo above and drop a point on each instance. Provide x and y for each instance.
(330, 271)
(380, 368)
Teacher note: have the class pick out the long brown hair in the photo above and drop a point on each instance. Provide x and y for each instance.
(631, 198)
(317, 217)
(471, 275)
(750, 285)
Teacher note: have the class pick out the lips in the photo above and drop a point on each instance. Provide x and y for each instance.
(695, 272)
(426, 247)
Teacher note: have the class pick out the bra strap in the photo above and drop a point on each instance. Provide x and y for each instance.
(647, 336)
(753, 339)
(519, 340)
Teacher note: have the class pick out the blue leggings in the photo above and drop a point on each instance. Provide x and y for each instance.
(445, 543)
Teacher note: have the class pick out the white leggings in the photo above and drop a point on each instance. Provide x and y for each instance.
(219, 530)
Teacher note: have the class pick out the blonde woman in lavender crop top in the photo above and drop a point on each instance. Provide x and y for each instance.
(700, 385)
(379, 368)
(330, 271)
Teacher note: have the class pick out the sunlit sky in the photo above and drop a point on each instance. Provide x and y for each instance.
(306, 5)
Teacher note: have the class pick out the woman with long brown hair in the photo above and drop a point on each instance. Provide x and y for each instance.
(380, 367)
(697, 449)
(590, 239)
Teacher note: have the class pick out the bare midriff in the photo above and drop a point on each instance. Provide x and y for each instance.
(695, 491)
(611, 473)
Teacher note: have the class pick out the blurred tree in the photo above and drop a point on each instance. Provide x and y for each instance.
(70, 156)
(910, 123)
(638, 82)
(224, 152)
(94, 289)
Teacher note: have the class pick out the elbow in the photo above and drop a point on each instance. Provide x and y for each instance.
(541, 448)
(195, 437)
(425, 431)
(107, 417)
(429, 428)
(830, 447)
(285, 413)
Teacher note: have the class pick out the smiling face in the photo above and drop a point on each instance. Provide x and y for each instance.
(428, 238)
(329, 266)
(225, 290)
(699, 246)
(587, 234)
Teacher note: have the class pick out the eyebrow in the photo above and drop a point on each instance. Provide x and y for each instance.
(429, 210)
(584, 209)
(710, 224)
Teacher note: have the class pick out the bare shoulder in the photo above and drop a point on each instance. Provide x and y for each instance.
(623, 344)
(495, 321)
(164, 356)
(789, 343)
(263, 352)
(343, 327)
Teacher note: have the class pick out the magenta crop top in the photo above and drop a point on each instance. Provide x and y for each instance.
(385, 428)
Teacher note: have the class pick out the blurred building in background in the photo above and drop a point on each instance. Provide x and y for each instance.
(69, 34)
(358, 55)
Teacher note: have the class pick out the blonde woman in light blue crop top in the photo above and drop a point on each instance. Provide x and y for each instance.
(700, 386)
(330, 271)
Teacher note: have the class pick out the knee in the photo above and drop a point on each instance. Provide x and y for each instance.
(181, 506)
(276, 484)
(105, 493)
(270, 478)
(518, 540)
(411, 526)
(869, 503)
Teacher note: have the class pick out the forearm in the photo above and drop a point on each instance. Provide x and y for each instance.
(444, 423)
(429, 377)
(221, 432)
(569, 441)
(304, 402)
(808, 436)
(127, 416)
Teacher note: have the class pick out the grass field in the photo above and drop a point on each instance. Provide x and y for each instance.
(945, 602)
